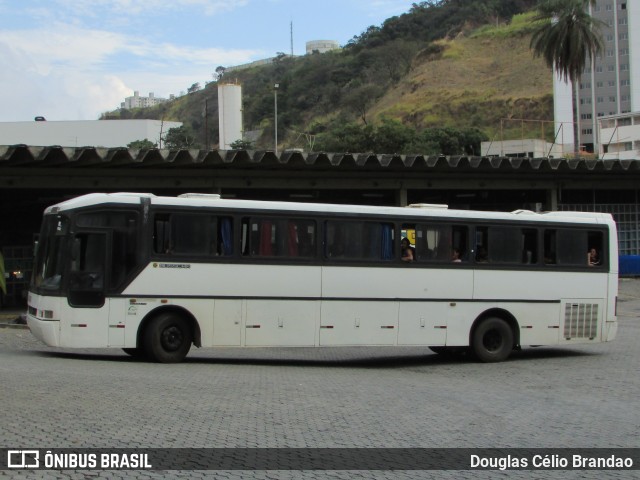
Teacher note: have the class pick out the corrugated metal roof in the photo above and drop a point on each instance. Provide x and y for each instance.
(18, 156)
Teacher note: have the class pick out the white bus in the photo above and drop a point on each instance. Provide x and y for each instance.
(153, 275)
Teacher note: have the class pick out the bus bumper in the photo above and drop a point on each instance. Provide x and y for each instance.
(47, 331)
(610, 330)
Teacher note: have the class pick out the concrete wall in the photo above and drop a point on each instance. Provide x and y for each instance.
(98, 133)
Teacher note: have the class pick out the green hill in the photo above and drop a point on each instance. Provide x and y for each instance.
(487, 79)
(392, 90)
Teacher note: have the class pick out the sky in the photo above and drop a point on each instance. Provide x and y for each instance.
(75, 59)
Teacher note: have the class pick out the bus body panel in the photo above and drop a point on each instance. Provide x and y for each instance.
(227, 323)
(391, 283)
(43, 328)
(424, 323)
(288, 323)
(359, 323)
(176, 279)
(537, 285)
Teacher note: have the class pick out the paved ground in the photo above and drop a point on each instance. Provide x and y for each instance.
(298, 398)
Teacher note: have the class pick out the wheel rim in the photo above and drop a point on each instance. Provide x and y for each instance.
(172, 338)
(492, 340)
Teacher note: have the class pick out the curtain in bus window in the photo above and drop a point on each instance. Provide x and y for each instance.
(387, 242)
(226, 233)
(266, 247)
(434, 243)
(293, 239)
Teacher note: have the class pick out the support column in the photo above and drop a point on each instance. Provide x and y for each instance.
(401, 197)
(552, 199)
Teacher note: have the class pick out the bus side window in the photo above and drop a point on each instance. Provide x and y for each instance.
(567, 247)
(359, 240)
(595, 255)
(269, 237)
(550, 247)
(459, 243)
(408, 242)
(482, 245)
(224, 236)
(572, 247)
(161, 234)
(529, 246)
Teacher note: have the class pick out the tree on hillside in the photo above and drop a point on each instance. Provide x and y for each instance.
(241, 145)
(145, 144)
(193, 88)
(179, 138)
(361, 98)
(217, 76)
(567, 37)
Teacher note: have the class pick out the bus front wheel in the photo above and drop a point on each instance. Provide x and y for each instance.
(492, 340)
(167, 339)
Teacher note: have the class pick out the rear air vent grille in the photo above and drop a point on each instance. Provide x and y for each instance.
(581, 320)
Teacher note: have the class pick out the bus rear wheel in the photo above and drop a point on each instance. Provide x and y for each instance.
(167, 338)
(492, 340)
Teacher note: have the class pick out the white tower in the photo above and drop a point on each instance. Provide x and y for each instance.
(229, 114)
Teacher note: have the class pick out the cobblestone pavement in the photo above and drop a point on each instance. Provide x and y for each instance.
(583, 396)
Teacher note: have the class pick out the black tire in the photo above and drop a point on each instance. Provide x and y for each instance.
(167, 338)
(492, 340)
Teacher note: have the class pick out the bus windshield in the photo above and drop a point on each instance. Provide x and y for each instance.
(50, 256)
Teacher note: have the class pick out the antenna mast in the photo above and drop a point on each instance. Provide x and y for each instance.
(291, 27)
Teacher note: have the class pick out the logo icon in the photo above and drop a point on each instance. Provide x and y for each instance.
(23, 458)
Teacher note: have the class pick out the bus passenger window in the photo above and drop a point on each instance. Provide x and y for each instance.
(225, 236)
(359, 240)
(549, 247)
(269, 237)
(433, 243)
(302, 238)
(572, 247)
(408, 243)
(505, 244)
(481, 245)
(596, 249)
(529, 246)
(459, 244)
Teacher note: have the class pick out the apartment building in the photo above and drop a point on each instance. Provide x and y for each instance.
(142, 102)
(610, 84)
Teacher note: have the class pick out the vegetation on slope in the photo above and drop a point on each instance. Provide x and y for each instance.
(437, 79)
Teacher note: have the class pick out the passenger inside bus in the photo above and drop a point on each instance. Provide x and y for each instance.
(407, 251)
(455, 256)
(593, 258)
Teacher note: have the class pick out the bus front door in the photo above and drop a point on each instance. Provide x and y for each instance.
(89, 319)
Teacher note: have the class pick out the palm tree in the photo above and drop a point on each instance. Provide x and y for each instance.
(567, 36)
